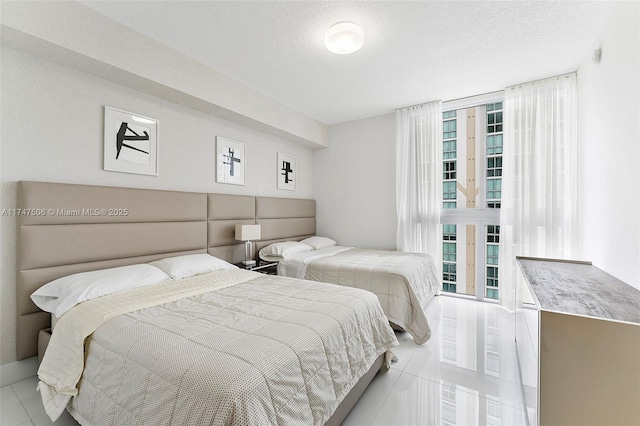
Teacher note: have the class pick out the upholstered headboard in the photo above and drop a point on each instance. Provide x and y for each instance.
(77, 228)
(71, 237)
(225, 211)
(285, 219)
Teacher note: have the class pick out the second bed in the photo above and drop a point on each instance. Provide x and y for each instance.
(404, 282)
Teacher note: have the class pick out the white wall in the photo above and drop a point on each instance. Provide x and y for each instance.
(609, 135)
(52, 130)
(73, 35)
(354, 183)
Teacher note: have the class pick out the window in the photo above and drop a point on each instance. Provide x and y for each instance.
(449, 276)
(493, 239)
(449, 156)
(494, 166)
(449, 252)
(494, 155)
(449, 232)
(494, 189)
(472, 163)
(449, 190)
(449, 149)
(494, 117)
(449, 258)
(494, 171)
(449, 170)
(493, 234)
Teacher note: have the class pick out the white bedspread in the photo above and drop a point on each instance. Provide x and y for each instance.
(295, 265)
(241, 348)
(403, 282)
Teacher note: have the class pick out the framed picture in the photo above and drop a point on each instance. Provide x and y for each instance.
(230, 161)
(130, 142)
(287, 170)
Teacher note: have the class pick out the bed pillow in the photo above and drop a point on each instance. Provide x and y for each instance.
(318, 242)
(179, 267)
(60, 295)
(278, 251)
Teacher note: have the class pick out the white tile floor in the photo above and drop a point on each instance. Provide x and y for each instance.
(466, 374)
(21, 405)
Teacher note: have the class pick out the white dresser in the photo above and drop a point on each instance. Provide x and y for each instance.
(578, 344)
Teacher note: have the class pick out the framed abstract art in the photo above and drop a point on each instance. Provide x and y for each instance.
(287, 172)
(230, 161)
(130, 142)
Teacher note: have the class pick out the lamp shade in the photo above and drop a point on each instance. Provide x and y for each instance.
(247, 232)
(344, 38)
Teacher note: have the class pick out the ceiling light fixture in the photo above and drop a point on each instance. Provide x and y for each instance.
(344, 37)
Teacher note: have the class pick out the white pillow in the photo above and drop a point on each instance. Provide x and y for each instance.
(191, 264)
(278, 251)
(269, 258)
(318, 242)
(60, 295)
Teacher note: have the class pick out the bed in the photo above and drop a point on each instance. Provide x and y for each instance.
(403, 282)
(227, 346)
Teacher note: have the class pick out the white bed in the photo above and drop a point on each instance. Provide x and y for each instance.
(227, 347)
(403, 282)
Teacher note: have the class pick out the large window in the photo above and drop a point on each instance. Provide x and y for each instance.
(449, 154)
(471, 193)
(494, 154)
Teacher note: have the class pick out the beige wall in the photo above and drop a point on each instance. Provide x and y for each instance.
(52, 131)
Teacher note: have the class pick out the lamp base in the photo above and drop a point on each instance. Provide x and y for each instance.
(248, 255)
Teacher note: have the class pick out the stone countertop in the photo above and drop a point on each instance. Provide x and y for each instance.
(581, 289)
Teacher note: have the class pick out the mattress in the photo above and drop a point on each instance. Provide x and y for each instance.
(229, 347)
(403, 282)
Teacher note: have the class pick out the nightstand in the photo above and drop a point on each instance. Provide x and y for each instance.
(264, 267)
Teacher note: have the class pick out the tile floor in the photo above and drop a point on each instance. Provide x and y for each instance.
(466, 374)
(22, 405)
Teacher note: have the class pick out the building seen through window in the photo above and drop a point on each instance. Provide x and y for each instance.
(471, 199)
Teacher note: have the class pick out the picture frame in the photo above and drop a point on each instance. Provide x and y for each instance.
(131, 142)
(287, 172)
(230, 161)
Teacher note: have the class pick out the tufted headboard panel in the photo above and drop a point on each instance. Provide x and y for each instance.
(78, 228)
(224, 212)
(285, 219)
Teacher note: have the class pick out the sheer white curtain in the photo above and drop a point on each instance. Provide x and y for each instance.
(538, 216)
(419, 179)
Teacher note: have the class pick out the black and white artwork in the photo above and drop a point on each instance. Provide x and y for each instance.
(287, 170)
(130, 142)
(230, 161)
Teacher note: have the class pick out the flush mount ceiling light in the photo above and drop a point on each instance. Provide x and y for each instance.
(344, 37)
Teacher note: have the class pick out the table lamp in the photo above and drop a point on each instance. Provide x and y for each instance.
(248, 233)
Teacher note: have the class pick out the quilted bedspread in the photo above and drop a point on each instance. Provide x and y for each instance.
(403, 282)
(242, 348)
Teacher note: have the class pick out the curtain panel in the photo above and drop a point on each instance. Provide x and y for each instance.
(538, 216)
(419, 179)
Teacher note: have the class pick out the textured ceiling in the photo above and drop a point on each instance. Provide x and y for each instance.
(414, 52)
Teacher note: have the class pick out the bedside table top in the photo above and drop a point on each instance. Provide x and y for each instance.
(259, 266)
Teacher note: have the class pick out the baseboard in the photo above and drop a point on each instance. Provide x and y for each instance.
(15, 372)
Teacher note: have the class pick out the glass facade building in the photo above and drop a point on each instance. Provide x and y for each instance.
(472, 186)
